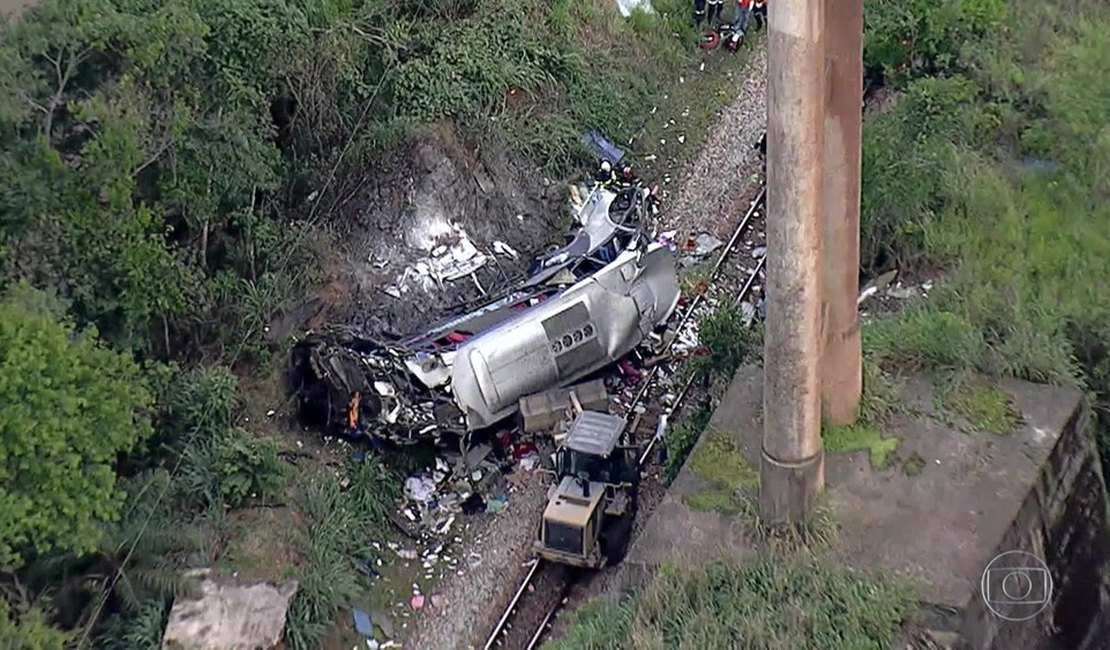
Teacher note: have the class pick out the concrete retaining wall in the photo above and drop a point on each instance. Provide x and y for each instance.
(1063, 521)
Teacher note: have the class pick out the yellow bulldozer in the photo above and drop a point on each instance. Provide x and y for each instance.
(592, 505)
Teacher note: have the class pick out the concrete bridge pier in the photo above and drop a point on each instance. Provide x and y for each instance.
(792, 463)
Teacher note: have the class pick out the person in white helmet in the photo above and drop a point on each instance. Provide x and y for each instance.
(605, 175)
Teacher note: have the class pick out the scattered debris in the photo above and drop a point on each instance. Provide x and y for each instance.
(409, 391)
(702, 245)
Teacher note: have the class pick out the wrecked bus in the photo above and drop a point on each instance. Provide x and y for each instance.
(357, 386)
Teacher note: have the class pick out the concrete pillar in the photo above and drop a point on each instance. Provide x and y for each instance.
(792, 467)
(841, 370)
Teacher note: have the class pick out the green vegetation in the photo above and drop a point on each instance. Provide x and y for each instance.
(681, 439)
(27, 628)
(861, 437)
(70, 407)
(986, 407)
(879, 402)
(721, 463)
(994, 171)
(176, 172)
(766, 603)
(730, 344)
(988, 169)
(339, 527)
(913, 465)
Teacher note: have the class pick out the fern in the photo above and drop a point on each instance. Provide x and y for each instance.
(139, 629)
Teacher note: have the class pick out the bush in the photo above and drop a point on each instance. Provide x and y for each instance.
(338, 530)
(909, 153)
(729, 341)
(221, 464)
(68, 408)
(138, 630)
(681, 439)
(230, 469)
(907, 38)
(26, 628)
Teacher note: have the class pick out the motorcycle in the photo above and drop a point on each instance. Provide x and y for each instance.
(725, 33)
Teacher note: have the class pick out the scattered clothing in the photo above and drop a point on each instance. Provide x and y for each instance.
(362, 623)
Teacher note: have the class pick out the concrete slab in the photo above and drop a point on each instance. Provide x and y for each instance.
(976, 495)
(942, 525)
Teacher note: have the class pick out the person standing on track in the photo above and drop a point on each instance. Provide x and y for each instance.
(699, 13)
(743, 11)
(759, 11)
(715, 12)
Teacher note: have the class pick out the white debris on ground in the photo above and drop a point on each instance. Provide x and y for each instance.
(720, 174)
(626, 7)
(884, 294)
(451, 256)
(469, 596)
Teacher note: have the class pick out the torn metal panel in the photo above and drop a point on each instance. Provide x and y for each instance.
(356, 386)
(611, 222)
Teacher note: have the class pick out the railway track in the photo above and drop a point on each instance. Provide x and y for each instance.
(546, 585)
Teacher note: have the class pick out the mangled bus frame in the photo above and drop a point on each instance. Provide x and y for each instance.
(406, 394)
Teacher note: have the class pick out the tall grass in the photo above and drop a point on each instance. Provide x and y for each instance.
(338, 530)
(999, 173)
(766, 603)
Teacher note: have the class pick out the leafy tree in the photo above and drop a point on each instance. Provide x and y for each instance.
(68, 408)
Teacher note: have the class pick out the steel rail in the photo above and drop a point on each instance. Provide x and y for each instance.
(716, 271)
(511, 609)
(538, 636)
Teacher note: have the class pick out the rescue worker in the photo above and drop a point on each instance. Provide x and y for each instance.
(761, 147)
(715, 12)
(759, 12)
(605, 176)
(743, 12)
(628, 177)
(699, 12)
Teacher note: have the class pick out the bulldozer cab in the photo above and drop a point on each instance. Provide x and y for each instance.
(617, 468)
(597, 480)
(591, 451)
